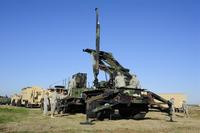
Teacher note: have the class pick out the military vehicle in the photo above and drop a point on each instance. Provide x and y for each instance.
(5, 100)
(178, 100)
(70, 97)
(29, 97)
(16, 100)
(73, 102)
(121, 95)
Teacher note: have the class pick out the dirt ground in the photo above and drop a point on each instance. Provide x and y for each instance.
(155, 122)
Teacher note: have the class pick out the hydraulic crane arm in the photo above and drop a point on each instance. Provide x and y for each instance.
(108, 63)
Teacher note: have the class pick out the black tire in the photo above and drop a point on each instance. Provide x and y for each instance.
(13, 103)
(139, 116)
(108, 113)
(125, 113)
(26, 104)
(100, 116)
(30, 105)
(18, 104)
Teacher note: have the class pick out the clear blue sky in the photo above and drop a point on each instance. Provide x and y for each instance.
(41, 41)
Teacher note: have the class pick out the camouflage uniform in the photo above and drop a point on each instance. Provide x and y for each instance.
(62, 96)
(185, 109)
(46, 103)
(172, 109)
(54, 98)
(120, 81)
(134, 82)
(72, 84)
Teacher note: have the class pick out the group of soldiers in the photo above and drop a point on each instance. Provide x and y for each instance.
(51, 100)
(184, 109)
(120, 81)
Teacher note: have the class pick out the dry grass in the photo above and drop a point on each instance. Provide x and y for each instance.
(155, 122)
(10, 114)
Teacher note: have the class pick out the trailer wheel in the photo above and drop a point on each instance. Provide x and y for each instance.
(125, 113)
(13, 103)
(139, 116)
(100, 116)
(26, 104)
(18, 103)
(30, 105)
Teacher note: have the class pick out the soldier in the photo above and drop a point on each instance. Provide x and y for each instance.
(46, 103)
(63, 94)
(134, 82)
(120, 80)
(54, 98)
(185, 109)
(172, 109)
(71, 85)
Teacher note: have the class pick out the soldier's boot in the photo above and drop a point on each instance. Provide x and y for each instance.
(52, 116)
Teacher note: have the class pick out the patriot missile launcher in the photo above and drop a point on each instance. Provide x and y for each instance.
(121, 95)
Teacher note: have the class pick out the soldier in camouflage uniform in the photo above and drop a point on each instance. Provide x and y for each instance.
(72, 84)
(120, 80)
(172, 109)
(185, 109)
(54, 99)
(62, 95)
(134, 82)
(46, 103)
